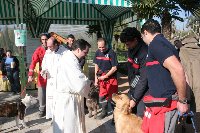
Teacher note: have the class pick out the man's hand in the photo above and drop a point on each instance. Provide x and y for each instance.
(96, 83)
(43, 73)
(131, 104)
(103, 77)
(30, 78)
(182, 108)
(125, 91)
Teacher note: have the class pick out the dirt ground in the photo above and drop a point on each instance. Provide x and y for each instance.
(41, 125)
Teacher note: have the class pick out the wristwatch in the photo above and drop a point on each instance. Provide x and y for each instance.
(185, 101)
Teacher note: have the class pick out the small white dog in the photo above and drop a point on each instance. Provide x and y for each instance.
(29, 100)
(17, 109)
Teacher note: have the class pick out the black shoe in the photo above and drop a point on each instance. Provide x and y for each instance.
(42, 114)
(113, 122)
(102, 115)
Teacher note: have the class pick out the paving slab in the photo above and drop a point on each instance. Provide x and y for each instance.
(41, 125)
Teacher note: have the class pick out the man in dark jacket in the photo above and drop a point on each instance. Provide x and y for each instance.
(137, 52)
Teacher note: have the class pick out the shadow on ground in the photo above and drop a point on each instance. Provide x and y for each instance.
(104, 128)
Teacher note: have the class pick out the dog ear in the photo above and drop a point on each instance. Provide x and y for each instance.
(114, 97)
(125, 109)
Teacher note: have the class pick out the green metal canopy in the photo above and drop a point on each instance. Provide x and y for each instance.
(40, 14)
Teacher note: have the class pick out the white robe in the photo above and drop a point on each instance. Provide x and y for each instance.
(50, 66)
(72, 86)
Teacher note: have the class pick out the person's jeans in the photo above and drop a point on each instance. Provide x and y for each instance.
(14, 80)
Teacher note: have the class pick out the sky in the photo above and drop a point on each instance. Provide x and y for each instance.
(179, 25)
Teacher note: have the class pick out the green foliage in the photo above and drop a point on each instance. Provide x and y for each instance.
(90, 56)
(121, 56)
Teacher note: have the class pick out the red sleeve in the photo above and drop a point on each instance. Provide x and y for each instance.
(35, 59)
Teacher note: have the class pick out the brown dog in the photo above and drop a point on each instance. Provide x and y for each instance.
(125, 122)
(92, 101)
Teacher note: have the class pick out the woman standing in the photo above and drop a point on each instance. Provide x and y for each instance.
(10, 68)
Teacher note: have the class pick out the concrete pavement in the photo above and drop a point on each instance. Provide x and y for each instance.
(41, 125)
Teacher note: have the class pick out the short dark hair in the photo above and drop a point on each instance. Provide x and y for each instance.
(178, 43)
(152, 26)
(55, 41)
(80, 43)
(71, 36)
(129, 34)
(9, 51)
(1, 50)
(45, 34)
(102, 39)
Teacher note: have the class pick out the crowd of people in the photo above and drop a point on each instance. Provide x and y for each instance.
(155, 76)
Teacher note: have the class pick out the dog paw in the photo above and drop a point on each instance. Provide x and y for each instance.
(20, 128)
(24, 125)
(90, 115)
(95, 116)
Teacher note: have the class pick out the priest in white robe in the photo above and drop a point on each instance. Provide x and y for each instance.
(50, 71)
(72, 87)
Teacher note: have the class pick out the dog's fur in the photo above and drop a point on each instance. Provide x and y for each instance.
(125, 122)
(92, 101)
(17, 109)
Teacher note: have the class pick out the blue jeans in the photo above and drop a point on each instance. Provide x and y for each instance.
(14, 80)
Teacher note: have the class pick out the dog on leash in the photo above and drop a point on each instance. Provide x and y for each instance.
(92, 101)
(125, 121)
(17, 109)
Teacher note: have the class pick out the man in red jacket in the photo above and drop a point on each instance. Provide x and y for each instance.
(37, 57)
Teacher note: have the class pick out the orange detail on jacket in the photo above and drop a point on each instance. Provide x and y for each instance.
(103, 58)
(37, 57)
(154, 117)
(134, 65)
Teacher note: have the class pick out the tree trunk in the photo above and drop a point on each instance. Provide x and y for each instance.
(166, 22)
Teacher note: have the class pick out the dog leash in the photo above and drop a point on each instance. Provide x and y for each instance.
(24, 88)
(185, 115)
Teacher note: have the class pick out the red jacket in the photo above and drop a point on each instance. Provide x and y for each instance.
(154, 117)
(38, 56)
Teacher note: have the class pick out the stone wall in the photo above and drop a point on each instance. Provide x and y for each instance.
(32, 44)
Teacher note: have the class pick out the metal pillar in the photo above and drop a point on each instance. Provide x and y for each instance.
(21, 49)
